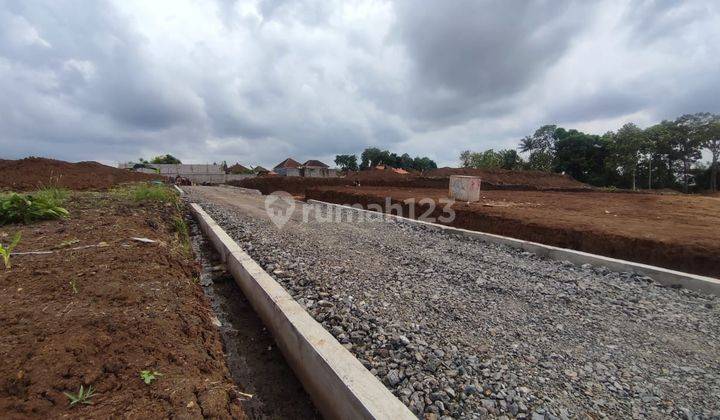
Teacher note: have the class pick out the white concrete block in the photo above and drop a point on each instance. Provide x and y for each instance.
(465, 188)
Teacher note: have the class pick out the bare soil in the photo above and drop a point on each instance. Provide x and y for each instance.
(500, 177)
(33, 173)
(436, 179)
(673, 231)
(98, 316)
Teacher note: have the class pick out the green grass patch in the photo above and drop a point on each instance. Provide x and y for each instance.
(53, 195)
(146, 192)
(45, 204)
(183, 234)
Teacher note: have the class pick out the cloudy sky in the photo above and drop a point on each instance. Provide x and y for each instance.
(259, 80)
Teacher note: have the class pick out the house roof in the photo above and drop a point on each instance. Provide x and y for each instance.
(315, 163)
(260, 169)
(237, 169)
(288, 163)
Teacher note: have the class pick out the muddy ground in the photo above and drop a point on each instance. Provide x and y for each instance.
(99, 315)
(674, 231)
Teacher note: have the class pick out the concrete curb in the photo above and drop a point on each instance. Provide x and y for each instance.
(339, 385)
(664, 276)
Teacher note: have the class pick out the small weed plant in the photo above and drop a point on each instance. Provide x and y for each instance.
(5, 252)
(82, 397)
(149, 376)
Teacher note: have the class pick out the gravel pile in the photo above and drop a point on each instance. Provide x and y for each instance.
(457, 328)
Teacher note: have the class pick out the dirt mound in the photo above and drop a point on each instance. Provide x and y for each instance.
(34, 172)
(537, 179)
(377, 174)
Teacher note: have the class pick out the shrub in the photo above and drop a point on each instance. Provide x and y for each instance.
(26, 208)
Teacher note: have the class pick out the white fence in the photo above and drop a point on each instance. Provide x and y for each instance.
(196, 173)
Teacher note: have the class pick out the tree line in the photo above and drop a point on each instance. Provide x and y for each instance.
(162, 159)
(665, 155)
(373, 156)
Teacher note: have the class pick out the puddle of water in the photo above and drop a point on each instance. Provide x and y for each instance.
(256, 365)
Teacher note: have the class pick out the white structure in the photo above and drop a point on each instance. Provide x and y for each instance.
(200, 173)
(465, 188)
(310, 169)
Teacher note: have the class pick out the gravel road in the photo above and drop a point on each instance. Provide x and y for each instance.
(457, 328)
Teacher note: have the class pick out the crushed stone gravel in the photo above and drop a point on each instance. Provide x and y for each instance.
(458, 328)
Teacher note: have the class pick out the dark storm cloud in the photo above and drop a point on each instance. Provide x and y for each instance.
(259, 80)
(608, 103)
(94, 61)
(471, 53)
(655, 20)
(687, 34)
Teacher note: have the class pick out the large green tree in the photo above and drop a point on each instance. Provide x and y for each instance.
(712, 143)
(481, 160)
(165, 159)
(373, 156)
(346, 162)
(686, 140)
(625, 151)
(707, 128)
(581, 156)
(542, 140)
(423, 164)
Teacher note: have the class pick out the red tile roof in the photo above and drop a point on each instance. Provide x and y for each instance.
(315, 163)
(237, 169)
(288, 163)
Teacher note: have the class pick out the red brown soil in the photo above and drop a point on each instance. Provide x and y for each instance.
(674, 231)
(375, 174)
(33, 173)
(437, 179)
(499, 177)
(293, 184)
(137, 307)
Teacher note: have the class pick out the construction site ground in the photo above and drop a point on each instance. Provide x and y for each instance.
(462, 328)
(86, 304)
(669, 230)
